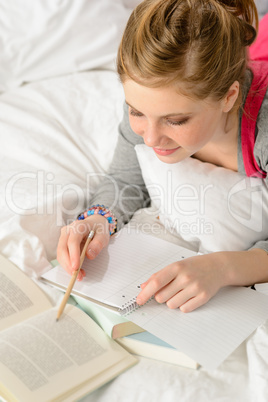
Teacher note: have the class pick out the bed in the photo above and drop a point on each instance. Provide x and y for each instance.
(60, 105)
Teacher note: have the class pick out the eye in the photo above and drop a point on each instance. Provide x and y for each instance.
(135, 113)
(177, 122)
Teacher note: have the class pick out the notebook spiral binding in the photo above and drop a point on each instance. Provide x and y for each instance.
(128, 307)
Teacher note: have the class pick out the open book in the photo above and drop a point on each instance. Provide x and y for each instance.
(208, 335)
(45, 360)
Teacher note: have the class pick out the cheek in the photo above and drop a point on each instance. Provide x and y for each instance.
(135, 125)
(189, 137)
(195, 135)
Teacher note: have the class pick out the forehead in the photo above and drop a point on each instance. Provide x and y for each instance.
(162, 100)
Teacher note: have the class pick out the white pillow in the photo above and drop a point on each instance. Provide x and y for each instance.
(57, 140)
(219, 208)
(47, 38)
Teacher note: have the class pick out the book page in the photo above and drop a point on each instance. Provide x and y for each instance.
(210, 333)
(114, 277)
(20, 297)
(41, 359)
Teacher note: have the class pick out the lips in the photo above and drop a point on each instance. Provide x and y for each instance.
(165, 152)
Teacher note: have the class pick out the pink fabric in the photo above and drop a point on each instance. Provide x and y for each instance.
(251, 109)
(258, 53)
(259, 49)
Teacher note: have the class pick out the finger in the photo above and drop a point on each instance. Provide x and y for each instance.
(188, 299)
(98, 242)
(194, 303)
(75, 242)
(168, 291)
(179, 298)
(81, 275)
(156, 282)
(63, 252)
(83, 272)
(143, 284)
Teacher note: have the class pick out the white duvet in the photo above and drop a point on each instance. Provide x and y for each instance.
(60, 106)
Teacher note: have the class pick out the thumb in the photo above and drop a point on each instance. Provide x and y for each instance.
(98, 242)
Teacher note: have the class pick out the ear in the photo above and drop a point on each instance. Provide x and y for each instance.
(231, 97)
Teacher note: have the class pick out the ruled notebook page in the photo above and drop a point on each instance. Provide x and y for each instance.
(212, 332)
(115, 275)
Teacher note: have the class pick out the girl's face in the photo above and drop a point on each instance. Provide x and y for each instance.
(174, 125)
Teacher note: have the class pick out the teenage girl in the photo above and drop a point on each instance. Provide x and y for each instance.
(186, 75)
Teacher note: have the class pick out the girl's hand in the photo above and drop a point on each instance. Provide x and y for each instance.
(190, 283)
(73, 237)
(186, 284)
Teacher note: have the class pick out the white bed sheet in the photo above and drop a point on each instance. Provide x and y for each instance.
(57, 139)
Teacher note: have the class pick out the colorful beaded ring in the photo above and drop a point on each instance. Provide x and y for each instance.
(101, 210)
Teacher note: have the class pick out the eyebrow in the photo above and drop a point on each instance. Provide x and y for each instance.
(168, 115)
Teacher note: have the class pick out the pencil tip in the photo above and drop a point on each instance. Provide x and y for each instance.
(57, 319)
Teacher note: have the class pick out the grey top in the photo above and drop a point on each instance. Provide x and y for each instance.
(123, 189)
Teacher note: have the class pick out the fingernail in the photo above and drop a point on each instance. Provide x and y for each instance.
(91, 253)
(73, 267)
(80, 276)
(138, 300)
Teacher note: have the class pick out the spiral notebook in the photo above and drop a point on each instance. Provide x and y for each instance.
(113, 279)
(208, 335)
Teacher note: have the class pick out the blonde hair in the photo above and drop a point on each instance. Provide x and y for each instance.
(200, 43)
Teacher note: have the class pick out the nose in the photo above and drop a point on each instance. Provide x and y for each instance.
(151, 134)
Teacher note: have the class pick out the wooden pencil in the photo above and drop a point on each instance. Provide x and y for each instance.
(74, 276)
